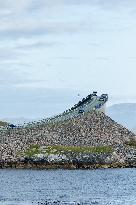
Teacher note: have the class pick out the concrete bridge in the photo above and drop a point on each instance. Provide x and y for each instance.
(92, 102)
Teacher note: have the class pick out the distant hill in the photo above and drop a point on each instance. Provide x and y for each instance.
(17, 121)
(124, 113)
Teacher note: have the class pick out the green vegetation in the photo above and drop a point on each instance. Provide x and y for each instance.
(131, 143)
(58, 149)
(34, 149)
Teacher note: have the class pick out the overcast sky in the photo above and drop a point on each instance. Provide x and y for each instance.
(51, 50)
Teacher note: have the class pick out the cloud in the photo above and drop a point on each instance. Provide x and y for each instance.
(55, 44)
(26, 18)
(33, 27)
(11, 54)
(14, 6)
(11, 76)
(36, 45)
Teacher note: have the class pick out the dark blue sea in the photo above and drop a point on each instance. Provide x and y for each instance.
(68, 187)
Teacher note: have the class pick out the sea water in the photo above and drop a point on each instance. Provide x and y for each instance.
(65, 187)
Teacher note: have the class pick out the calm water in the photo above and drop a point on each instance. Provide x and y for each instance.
(95, 187)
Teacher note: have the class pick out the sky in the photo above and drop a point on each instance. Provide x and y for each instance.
(51, 50)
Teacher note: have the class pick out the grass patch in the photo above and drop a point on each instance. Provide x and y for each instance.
(131, 143)
(58, 149)
(33, 150)
(102, 149)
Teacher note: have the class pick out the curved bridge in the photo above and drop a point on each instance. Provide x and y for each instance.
(90, 103)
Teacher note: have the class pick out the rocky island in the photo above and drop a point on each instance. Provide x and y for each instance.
(81, 137)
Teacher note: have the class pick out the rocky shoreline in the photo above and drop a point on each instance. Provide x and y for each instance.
(60, 158)
(70, 166)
